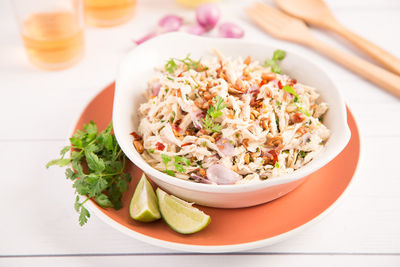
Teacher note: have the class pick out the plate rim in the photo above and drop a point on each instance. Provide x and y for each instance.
(212, 249)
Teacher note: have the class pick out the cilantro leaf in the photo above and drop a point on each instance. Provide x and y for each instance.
(165, 159)
(60, 162)
(214, 112)
(171, 66)
(64, 151)
(274, 65)
(184, 160)
(103, 201)
(273, 62)
(170, 172)
(90, 128)
(291, 91)
(279, 55)
(83, 217)
(94, 162)
(178, 161)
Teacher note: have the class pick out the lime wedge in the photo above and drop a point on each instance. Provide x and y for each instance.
(180, 215)
(143, 205)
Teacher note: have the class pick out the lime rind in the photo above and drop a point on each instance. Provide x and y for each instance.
(180, 215)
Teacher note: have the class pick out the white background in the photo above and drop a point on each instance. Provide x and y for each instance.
(38, 226)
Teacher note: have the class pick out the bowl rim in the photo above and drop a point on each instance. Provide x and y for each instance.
(214, 188)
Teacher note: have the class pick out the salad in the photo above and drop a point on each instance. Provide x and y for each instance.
(223, 120)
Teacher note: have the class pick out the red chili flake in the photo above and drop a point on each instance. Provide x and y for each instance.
(280, 84)
(160, 146)
(262, 83)
(255, 92)
(274, 154)
(298, 117)
(186, 144)
(175, 128)
(136, 136)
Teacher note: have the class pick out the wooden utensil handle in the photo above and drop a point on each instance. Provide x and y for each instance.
(369, 71)
(380, 55)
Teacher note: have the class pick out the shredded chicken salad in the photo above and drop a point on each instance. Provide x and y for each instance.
(222, 120)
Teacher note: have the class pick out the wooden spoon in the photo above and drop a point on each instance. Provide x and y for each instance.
(285, 27)
(316, 12)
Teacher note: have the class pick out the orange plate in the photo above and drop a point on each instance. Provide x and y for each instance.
(235, 229)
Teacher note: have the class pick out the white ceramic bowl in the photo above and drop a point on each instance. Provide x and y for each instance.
(138, 68)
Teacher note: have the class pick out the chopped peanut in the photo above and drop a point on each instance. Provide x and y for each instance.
(268, 76)
(139, 147)
(247, 61)
(247, 158)
(275, 141)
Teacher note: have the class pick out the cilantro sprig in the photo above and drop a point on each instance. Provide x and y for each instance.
(214, 112)
(97, 168)
(179, 163)
(278, 55)
(171, 65)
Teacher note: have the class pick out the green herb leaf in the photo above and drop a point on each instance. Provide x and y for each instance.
(94, 162)
(165, 159)
(184, 160)
(291, 91)
(64, 151)
(170, 172)
(274, 66)
(59, 162)
(171, 66)
(76, 142)
(213, 113)
(279, 55)
(103, 201)
(83, 217)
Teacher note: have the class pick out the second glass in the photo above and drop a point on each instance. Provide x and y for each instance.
(107, 13)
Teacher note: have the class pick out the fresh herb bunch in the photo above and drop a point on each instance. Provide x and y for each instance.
(104, 178)
(273, 62)
(171, 65)
(214, 112)
(179, 163)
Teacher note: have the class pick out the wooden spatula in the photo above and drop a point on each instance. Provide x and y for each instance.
(316, 12)
(285, 27)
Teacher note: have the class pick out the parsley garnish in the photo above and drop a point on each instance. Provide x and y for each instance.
(214, 112)
(273, 62)
(104, 180)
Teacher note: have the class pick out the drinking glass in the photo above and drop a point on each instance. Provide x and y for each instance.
(52, 31)
(106, 13)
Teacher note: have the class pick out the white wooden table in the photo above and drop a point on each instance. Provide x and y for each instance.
(38, 225)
